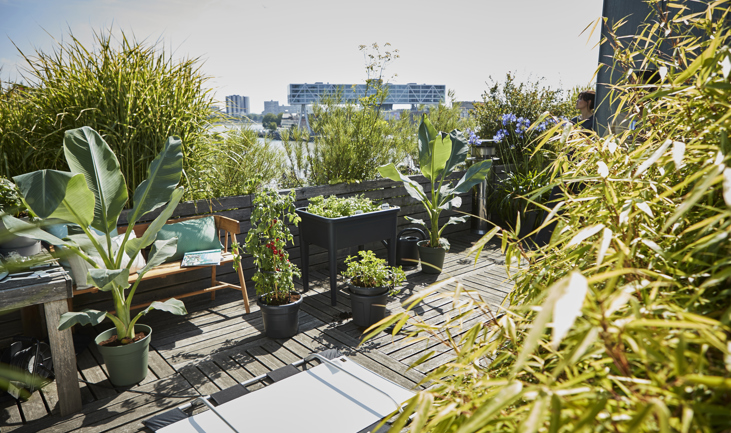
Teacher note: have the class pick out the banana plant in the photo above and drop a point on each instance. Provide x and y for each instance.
(93, 194)
(439, 154)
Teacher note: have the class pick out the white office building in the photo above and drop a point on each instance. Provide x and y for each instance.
(237, 106)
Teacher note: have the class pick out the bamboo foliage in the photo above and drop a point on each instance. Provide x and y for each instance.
(133, 92)
(621, 323)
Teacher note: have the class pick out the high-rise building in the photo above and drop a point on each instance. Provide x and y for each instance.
(237, 106)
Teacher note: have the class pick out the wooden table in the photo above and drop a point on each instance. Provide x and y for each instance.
(52, 291)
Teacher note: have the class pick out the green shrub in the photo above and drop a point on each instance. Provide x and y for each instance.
(134, 93)
(621, 323)
(233, 163)
(528, 100)
(351, 139)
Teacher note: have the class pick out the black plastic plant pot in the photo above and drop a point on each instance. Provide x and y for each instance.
(335, 233)
(432, 259)
(280, 321)
(368, 309)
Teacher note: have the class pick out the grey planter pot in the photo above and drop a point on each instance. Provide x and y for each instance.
(280, 321)
(368, 304)
(126, 365)
(432, 259)
(20, 244)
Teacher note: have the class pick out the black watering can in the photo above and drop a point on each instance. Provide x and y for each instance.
(407, 254)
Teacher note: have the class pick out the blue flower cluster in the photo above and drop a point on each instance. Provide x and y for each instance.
(516, 127)
(473, 138)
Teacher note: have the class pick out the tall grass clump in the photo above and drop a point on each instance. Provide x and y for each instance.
(233, 163)
(622, 322)
(133, 92)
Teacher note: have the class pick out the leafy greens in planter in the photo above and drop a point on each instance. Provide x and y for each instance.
(439, 155)
(370, 271)
(336, 207)
(93, 195)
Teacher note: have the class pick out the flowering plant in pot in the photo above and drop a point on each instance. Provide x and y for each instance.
(92, 196)
(439, 155)
(370, 281)
(266, 242)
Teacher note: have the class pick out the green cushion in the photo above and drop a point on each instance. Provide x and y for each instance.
(193, 235)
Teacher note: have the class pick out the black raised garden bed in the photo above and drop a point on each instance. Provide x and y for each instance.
(348, 231)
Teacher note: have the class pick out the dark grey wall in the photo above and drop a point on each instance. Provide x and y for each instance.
(634, 12)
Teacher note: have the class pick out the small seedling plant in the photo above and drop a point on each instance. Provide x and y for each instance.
(367, 270)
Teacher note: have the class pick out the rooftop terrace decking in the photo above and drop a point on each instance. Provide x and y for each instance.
(216, 346)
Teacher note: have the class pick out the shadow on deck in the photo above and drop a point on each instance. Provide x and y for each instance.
(217, 346)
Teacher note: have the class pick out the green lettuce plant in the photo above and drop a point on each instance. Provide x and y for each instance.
(370, 271)
(336, 207)
(439, 155)
(92, 195)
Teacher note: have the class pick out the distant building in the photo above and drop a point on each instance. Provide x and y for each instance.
(274, 108)
(412, 94)
(237, 106)
(466, 106)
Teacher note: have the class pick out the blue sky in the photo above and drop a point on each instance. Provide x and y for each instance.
(256, 48)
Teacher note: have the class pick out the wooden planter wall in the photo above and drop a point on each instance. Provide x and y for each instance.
(239, 208)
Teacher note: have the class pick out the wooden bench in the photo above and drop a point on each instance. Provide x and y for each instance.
(226, 227)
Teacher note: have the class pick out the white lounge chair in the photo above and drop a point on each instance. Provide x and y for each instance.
(338, 396)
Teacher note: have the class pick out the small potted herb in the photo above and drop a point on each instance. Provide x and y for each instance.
(370, 282)
(12, 204)
(267, 241)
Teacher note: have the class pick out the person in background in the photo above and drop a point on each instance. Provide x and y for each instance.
(585, 105)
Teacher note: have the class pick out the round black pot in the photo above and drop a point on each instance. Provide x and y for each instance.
(432, 259)
(280, 321)
(368, 304)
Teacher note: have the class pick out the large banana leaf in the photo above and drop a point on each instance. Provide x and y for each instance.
(23, 228)
(162, 178)
(105, 279)
(474, 175)
(460, 147)
(87, 153)
(85, 317)
(57, 194)
(434, 150)
(133, 246)
(413, 188)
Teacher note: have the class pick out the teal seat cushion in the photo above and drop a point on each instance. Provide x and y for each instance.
(193, 235)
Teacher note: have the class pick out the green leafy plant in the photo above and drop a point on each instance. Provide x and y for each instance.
(10, 199)
(623, 322)
(352, 138)
(336, 207)
(267, 242)
(92, 195)
(439, 155)
(236, 162)
(367, 270)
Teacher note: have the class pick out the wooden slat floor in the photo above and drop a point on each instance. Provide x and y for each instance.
(217, 345)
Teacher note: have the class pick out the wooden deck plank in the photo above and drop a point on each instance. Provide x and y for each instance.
(216, 345)
(10, 417)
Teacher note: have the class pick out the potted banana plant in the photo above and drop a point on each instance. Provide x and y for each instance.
(439, 155)
(92, 195)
